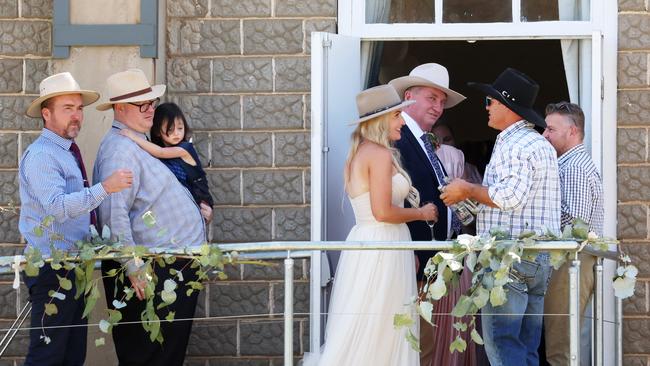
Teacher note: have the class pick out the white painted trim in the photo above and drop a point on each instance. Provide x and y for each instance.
(463, 31)
(438, 5)
(516, 11)
(317, 204)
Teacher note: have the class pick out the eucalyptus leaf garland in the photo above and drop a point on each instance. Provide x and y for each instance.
(491, 272)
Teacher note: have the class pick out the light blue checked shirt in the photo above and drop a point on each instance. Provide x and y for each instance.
(178, 221)
(522, 179)
(582, 189)
(51, 184)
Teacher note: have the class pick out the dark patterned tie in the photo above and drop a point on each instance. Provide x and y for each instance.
(456, 225)
(80, 163)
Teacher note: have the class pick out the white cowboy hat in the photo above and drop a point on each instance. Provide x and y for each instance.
(378, 100)
(433, 75)
(59, 84)
(130, 86)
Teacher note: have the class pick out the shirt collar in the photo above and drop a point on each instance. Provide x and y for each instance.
(412, 125)
(513, 128)
(60, 141)
(117, 125)
(578, 149)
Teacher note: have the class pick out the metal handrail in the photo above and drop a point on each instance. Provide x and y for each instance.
(301, 249)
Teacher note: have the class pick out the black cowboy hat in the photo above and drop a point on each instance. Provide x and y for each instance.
(516, 91)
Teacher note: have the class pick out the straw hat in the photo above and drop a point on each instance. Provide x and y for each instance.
(432, 75)
(128, 87)
(59, 84)
(516, 91)
(378, 100)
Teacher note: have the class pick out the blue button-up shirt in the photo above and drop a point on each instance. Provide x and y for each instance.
(51, 184)
(522, 180)
(155, 194)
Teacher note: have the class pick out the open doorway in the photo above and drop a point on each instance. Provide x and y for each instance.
(480, 61)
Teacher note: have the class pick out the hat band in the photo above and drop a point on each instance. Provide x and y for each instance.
(130, 95)
(379, 110)
(507, 95)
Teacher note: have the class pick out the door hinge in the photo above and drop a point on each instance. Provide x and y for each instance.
(327, 43)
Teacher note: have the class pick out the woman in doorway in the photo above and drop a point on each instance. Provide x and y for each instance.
(372, 286)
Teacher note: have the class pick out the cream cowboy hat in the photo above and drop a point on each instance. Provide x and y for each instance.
(130, 86)
(59, 84)
(432, 75)
(378, 100)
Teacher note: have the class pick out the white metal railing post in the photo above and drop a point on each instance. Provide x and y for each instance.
(598, 313)
(288, 310)
(574, 312)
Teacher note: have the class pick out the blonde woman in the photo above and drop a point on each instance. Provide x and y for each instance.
(372, 286)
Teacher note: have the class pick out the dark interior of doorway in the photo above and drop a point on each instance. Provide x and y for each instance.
(480, 61)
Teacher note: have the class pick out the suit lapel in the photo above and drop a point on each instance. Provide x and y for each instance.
(415, 145)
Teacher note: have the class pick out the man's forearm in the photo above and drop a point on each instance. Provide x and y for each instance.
(480, 193)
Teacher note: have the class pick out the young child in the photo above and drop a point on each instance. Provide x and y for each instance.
(169, 143)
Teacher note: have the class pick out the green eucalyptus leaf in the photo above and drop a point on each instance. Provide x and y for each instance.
(476, 337)
(497, 296)
(56, 295)
(425, 309)
(460, 326)
(470, 261)
(106, 232)
(438, 289)
(458, 345)
(100, 342)
(38, 231)
(170, 316)
(104, 326)
(149, 221)
(402, 320)
(462, 306)
(413, 341)
(480, 297)
(64, 283)
(51, 309)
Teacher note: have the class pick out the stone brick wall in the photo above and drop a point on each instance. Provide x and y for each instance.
(25, 48)
(634, 169)
(240, 69)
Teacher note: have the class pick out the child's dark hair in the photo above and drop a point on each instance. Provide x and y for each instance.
(167, 112)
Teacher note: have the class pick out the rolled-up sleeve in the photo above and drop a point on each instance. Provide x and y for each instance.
(48, 186)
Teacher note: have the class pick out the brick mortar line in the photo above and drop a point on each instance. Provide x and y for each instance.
(279, 130)
(27, 20)
(632, 88)
(255, 17)
(236, 56)
(631, 165)
(234, 169)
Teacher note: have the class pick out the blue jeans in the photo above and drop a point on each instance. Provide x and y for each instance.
(512, 339)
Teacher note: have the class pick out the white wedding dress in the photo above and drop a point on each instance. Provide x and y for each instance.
(370, 287)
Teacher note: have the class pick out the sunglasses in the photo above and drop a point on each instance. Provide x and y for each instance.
(488, 101)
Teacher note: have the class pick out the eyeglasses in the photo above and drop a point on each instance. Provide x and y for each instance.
(488, 101)
(145, 106)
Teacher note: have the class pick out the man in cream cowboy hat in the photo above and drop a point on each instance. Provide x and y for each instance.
(157, 192)
(53, 183)
(428, 85)
(520, 192)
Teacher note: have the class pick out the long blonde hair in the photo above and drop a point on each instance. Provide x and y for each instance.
(375, 130)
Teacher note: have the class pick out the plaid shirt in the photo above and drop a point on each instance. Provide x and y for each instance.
(522, 180)
(178, 221)
(582, 189)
